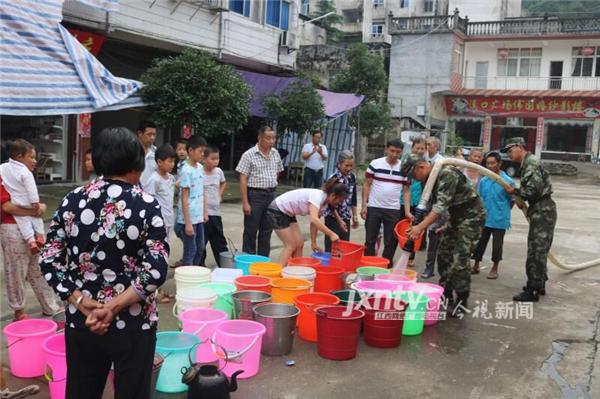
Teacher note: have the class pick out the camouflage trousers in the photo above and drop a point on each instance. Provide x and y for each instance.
(542, 219)
(454, 253)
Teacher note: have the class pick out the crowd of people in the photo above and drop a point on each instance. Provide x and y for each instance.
(141, 195)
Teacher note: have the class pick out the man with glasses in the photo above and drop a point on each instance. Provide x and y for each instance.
(454, 194)
(536, 189)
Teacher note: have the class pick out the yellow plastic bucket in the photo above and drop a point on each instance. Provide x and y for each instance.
(267, 269)
(284, 290)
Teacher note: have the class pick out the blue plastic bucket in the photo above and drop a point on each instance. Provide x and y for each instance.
(324, 257)
(176, 349)
(244, 261)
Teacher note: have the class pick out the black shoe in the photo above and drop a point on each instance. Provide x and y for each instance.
(541, 291)
(460, 306)
(528, 295)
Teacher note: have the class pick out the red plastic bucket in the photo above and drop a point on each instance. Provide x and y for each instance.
(374, 261)
(384, 319)
(253, 283)
(329, 278)
(400, 232)
(346, 254)
(338, 330)
(307, 320)
(303, 261)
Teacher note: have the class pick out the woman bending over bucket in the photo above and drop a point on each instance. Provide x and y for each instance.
(282, 213)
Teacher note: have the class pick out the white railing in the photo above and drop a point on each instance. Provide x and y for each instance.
(532, 83)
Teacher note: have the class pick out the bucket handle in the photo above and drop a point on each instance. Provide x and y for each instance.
(174, 310)
(14, 342)
(199, 330)
(233, 356)
(232, 245)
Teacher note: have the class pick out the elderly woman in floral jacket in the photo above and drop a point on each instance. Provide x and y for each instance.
(106, 255)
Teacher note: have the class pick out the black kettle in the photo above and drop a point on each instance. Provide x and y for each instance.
(208, 382)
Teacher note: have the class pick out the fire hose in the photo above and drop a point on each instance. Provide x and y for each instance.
(421, 210)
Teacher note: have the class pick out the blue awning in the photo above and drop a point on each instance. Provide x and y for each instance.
(44, 70)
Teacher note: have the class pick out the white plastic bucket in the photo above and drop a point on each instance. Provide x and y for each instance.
(304, 272)
(225, 275)
(191, 276)
(191, 298)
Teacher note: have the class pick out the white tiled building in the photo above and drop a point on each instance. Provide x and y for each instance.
(487, 81)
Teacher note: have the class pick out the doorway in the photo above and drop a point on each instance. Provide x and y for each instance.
(556, 71)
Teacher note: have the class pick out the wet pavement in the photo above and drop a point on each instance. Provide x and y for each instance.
(493, 354)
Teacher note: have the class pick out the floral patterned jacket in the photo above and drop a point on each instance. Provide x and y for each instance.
(106, 236)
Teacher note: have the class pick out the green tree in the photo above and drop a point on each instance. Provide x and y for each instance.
(328, 23)
(563, 8)
(366, 75)
(193, 88)
(298, 109)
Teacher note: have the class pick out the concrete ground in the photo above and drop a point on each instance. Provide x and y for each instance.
(554, 354)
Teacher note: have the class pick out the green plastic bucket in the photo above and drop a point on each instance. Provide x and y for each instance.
(224, 300)
(414, 316)
(347, 296)
(369, 272)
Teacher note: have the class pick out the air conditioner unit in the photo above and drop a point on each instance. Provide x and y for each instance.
(288, 40)
(420, 110)
(214, 5)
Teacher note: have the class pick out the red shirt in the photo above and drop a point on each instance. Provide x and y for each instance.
(5, 218)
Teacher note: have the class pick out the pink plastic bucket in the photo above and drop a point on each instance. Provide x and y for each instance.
(400, 280)
(55, 352)
(202, 323)
(241, 339)
(434, 292)
(375, 287)
(24, 340)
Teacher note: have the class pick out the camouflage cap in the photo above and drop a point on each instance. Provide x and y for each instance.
(408, 164)
(512, 142)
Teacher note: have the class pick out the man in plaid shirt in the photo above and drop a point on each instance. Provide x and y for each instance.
(259, 168)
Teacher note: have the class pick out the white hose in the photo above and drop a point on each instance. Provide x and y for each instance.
(466, 164)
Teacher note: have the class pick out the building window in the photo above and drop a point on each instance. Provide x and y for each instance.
(519, 62)
(305, 8)
(278, 14)
(586, 61)
(404, 3)
(428, 6)
(378, 3)
(567, 138)
(240, 7)
(377, 30)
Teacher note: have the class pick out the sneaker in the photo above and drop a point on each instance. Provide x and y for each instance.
(427, 274)
(541, 291)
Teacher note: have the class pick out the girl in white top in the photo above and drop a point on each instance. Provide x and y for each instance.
(282, 213)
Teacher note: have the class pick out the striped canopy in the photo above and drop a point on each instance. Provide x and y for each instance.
(44, 70)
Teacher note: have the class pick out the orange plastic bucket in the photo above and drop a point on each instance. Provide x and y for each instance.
(253, 283)
(303, 261)
(307, 320)
(285, 289)
(329, 278)
(267, 269)
(346, 254)
(400, 232)
(377, 261)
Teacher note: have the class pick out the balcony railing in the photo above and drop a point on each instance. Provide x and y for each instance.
(536, 26)
(509, 27)
(532, 83)
(445, 23)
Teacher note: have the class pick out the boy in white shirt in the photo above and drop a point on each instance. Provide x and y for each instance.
(18, 179)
